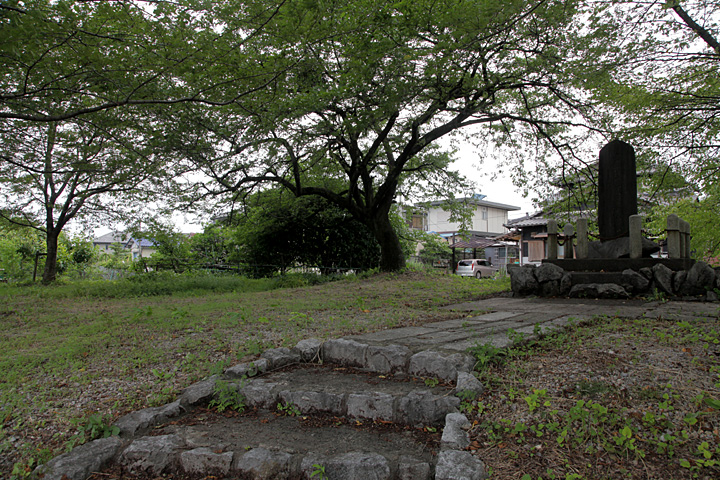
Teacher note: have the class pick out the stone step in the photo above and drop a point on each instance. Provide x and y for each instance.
(343, 392)
(359, 411)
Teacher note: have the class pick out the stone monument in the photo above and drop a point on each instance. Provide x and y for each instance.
(620, 262)
(617, 189)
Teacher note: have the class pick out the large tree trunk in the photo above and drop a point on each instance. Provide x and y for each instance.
(392, 258)
(51, 244)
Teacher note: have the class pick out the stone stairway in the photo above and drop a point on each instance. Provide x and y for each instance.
(340, 408)
(363, 407)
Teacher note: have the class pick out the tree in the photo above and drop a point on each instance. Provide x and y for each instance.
(279, 231)
(80, 80)
(368, 87)
(51, 174)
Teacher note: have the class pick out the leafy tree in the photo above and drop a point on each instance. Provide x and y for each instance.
(212, 246)
(366, 88)
(279, 232)
(80, 80)
(433, 248)
(50, 174)
(172, 247)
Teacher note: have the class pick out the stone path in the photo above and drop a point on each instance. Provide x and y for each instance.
(371, 379)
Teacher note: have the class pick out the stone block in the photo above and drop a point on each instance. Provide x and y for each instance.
(203, 461)
(700, 279)
(81, 461)
(308, 402)
(523, 281)
(467, 382)
(646, 272)
(387, 359)
(261, 464)
(455, 465)
(247, 370)
(199, 392)
(429, 363)
(259, 393)
(344, 352)
(637, 282)
(349, 466)
(151, 455)
(139, 420)
(423, 408)
(679, 283)
(376, 406)
(455, 435)
(410, 468)
(662, 278)
(309, 349)
(548, 272)
(280, 357)
(598, 290)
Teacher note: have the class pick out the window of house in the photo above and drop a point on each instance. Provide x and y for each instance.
(484, 213)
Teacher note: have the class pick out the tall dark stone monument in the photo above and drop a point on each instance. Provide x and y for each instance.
(617, 190)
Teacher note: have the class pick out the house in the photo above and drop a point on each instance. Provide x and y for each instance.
(105, 242)
(531, 233)
(140, 248)
(486, 222)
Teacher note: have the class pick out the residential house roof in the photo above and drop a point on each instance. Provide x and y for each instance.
(534, 220)
(110, 238)
(477, 200)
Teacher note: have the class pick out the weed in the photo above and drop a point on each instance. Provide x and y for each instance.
(97, 426)
(227, 395)
(319, 472)
(288, 409)
(487, 355)
(431, 382)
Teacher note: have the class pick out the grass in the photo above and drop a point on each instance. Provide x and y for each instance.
(609, 399)
(75, 357)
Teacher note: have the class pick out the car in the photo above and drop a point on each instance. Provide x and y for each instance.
(475, 267)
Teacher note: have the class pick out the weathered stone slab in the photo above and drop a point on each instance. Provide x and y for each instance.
(344, 352)
(200, 392)
(375, 405)
(247, 370)
(151, 454)
(410, 468)
(423, 408)
(617, 189)
(467, 382)
(308, 402)
(261, 463)
(259, 393)
(389, 359)
(280, 357)
(309, 349)
(348, 466)
(455, 465)
(434, 364)
(455, 436)
(140, 420)
(206, 462)
(81, 461)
